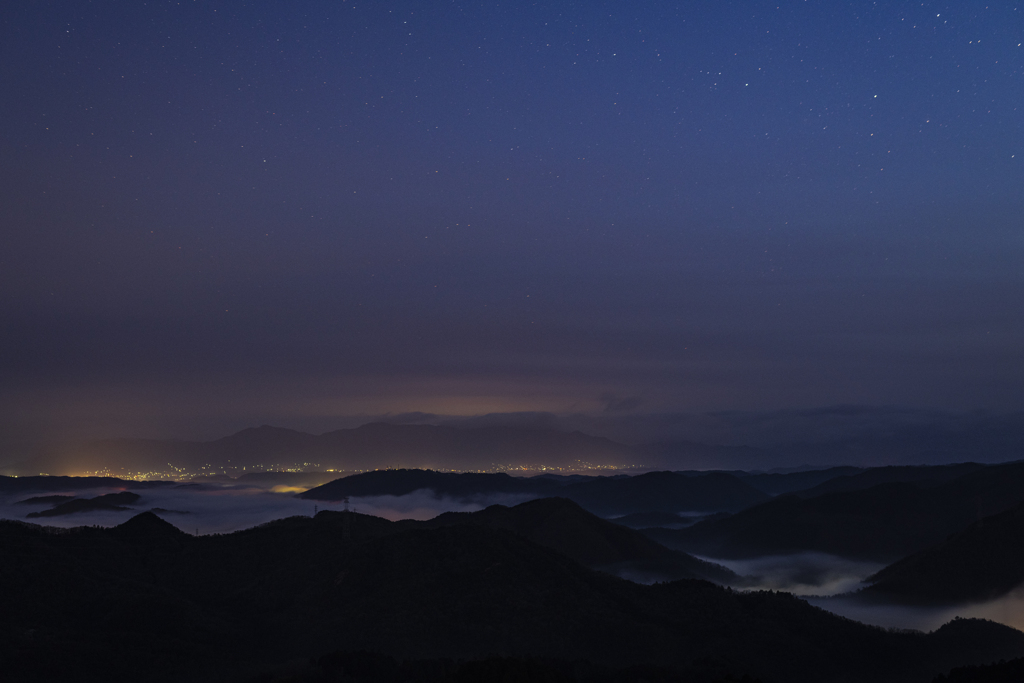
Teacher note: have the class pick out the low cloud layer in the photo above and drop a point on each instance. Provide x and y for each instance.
(802, 574)
(208, 508)
(222, 509)
(1007, 610)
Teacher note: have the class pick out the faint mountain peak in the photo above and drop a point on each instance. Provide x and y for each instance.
(264, 433)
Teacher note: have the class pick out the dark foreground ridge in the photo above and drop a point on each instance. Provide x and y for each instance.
(1000, 672)
(146, 602)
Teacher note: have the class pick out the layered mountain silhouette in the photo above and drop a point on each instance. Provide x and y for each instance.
(982, 562)
(921, 475)
(1000, 672)
(371, 446)
(663, 492)
(606, 496)
(779, 483)
(650, 520)
(401, 482)
(565, 527)
(45, 500)
(475, 447)
(883, 522)
(22, 485)
(112, 501)
(144, 602)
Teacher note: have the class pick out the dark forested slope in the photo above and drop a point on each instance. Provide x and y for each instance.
(884, 522)
(982, 562)
(144, 601)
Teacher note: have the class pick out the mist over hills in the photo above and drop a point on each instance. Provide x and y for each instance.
(401, 482)
(207, 589)
(175, 606)
(883, 522)
(982, 562)
(110, 501)
(10, 485)
(605, 496)
(564, 526)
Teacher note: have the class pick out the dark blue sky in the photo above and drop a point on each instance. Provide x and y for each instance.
(275, 211)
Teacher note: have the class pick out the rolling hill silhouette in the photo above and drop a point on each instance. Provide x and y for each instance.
(606, 496)
(371, 446)
(982, 562)
(777, 484)
(882, 523)
(663, 492)
(565, 527)
(921, 475)
(145, 602)
(402, 482)
(110, 501)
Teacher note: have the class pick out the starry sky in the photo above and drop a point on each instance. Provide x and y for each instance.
(225, 212)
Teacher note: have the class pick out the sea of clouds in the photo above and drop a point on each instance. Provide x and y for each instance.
(213, 508)
(824, 580)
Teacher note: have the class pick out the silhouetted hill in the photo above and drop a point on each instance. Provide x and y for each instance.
(45, 500)
(921, 475)
(663, 492)
(1000, 672)
(277, 478)
(370, 667)
(647, 520)
(839, 435)
(110, 501)
(605, 496)
(564, 526)
(982, 562)
(777, 484)
(371, 446)
(926, 438)
(145, 527)
(14, 485)
(428, 446)
(455, 484)
(882, 523)
(271, 444)
(692, 455)
(109, 605)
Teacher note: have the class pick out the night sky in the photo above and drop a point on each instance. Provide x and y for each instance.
(225, 213)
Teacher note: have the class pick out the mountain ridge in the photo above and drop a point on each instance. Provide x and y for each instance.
(298, 587)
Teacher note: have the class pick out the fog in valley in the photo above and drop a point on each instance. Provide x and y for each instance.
(826, 581)
(1007, 610)
(215, 508)
(802, 574)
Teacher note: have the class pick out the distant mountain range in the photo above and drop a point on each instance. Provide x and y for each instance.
(146, 602)
(478, 446)
(372, 446)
